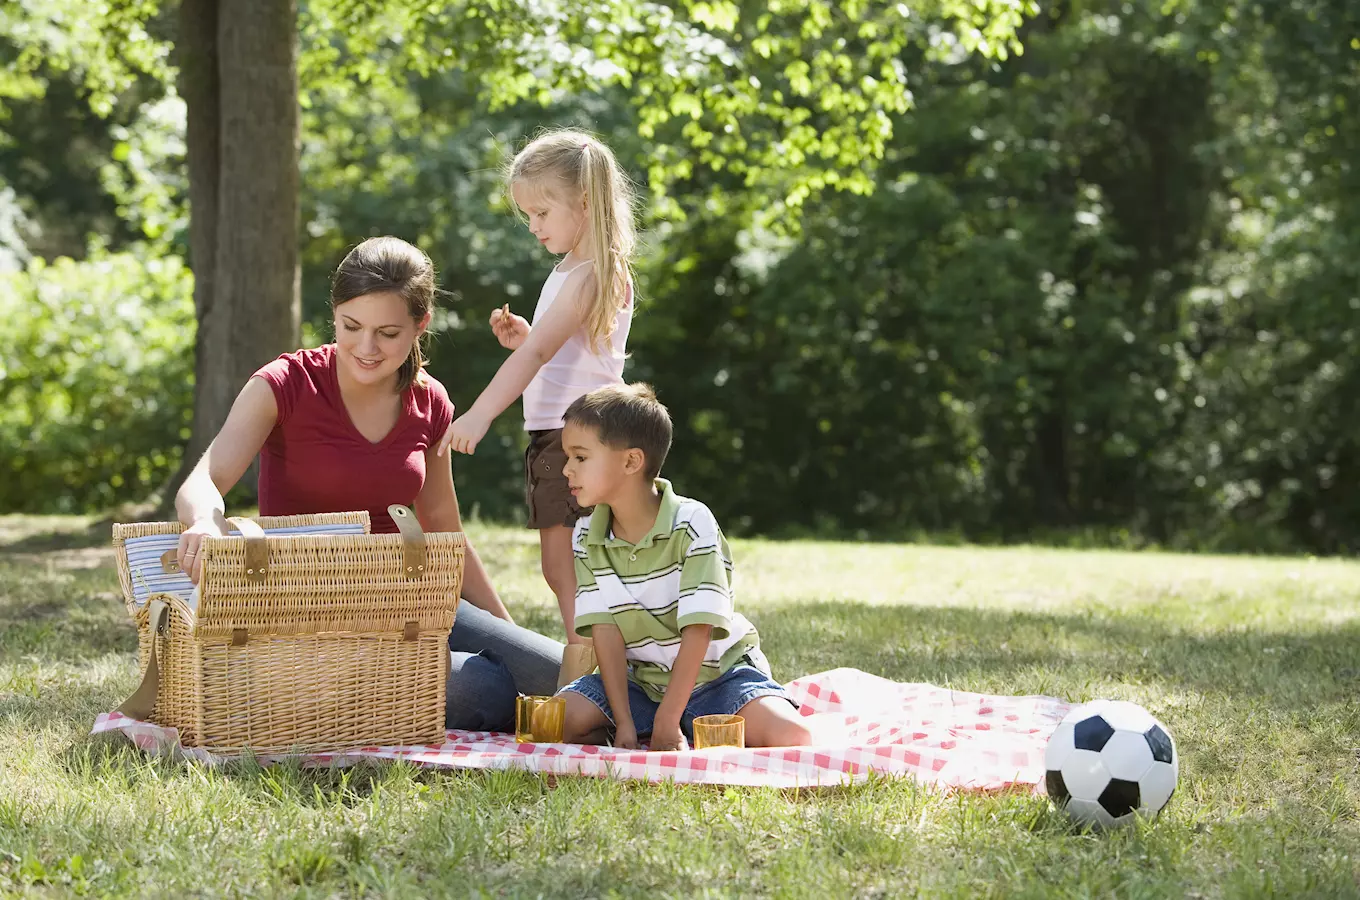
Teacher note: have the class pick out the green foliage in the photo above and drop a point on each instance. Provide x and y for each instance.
(91, 132)
(108, 45)
(897, 278)
(790, 98)
(1280, 339)
(1084, 295)
(96, 379)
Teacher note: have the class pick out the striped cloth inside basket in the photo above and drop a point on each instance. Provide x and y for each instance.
(144, 560)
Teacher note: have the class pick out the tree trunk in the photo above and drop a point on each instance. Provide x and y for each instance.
(238, 63)
(198, 85)
(256, 277)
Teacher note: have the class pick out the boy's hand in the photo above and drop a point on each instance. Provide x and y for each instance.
(463, 434)
(668, 737)
(510, 329)
(625, 736)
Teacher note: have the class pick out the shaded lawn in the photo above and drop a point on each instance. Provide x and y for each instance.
(1254, 664)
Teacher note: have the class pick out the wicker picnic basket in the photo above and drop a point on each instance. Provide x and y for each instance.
(306, 633)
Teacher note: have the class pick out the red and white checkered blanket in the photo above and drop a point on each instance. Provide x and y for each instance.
(947, 738)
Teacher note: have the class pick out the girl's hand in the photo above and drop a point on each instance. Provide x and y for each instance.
(463, 434)
(190, 541)
(510, 329)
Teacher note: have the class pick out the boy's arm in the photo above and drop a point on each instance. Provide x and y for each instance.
(703, 615)
(610, 654)
(593, 619)
(666, 733)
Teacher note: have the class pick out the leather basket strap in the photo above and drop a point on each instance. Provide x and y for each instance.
(143, 700)
(257, 549)
(412, 541)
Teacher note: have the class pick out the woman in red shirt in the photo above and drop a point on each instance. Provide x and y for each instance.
(354, 425)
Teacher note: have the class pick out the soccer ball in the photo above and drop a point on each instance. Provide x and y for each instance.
(1110, 760)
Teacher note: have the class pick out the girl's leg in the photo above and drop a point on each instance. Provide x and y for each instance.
(773, 722)
(559, 570)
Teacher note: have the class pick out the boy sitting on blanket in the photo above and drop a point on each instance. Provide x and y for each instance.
(653, 576)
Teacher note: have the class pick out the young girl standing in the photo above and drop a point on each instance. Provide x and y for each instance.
(578, 203)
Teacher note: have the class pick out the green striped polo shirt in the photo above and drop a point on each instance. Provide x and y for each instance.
(678, 574)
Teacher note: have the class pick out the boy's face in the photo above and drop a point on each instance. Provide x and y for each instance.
(595, 471)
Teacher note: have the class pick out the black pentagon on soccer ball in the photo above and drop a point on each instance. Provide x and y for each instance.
(1092, 734)
(1120, 797)
(1057, 788)
(1160, 742)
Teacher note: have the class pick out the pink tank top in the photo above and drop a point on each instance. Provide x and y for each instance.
(574, 370)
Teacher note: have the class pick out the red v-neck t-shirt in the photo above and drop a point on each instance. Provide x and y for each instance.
(316, 461)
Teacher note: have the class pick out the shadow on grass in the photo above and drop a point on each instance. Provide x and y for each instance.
(62, 616)
(1255, 682)
(52, 540)
(69, 640)
(995, 651)
(1013, 652)
(111, 756)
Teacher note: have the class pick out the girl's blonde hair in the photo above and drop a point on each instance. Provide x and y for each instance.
(562, 163)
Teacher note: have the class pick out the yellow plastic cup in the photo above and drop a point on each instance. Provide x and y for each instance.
(719, 731)
(539, 719)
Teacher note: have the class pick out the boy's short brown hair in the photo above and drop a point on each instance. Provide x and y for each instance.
(626, 416)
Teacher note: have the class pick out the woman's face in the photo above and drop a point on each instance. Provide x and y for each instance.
(373, 336)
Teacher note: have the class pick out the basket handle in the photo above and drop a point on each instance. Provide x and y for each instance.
(143, 700)
(412, 541)
(257, 549)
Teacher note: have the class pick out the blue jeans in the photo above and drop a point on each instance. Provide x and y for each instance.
(492, 661)
(723, 696)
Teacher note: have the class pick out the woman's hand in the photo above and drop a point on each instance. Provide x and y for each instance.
(464, 433)
(190, 544)
(510, 329)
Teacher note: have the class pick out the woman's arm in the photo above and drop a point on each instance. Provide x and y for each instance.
(437, 510)
(562, 320)
(199, 503)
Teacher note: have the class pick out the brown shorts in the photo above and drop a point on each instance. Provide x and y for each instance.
(545, 487)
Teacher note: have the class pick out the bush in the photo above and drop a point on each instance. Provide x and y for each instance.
(96, 380)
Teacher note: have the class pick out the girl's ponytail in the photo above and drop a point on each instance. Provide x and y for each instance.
(610, 220)
(567, 162)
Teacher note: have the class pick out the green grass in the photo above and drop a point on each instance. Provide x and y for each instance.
(1253, 663)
